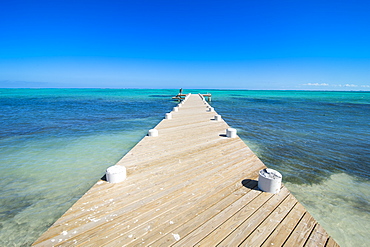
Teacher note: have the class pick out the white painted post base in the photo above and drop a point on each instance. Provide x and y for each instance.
(153, 132)
(211, 109)
(168, 116)
(218, 117)
(175, 109)
(269, 180)
(115, 174)
(231, 133)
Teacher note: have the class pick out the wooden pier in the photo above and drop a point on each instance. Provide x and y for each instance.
(189, 186)
(182, 96)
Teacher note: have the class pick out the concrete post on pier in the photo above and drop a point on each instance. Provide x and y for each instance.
(153, 132)
(269, 180)
(168, 116)
(115, 174)
(175, 109)
(218, 117)
(231, 133)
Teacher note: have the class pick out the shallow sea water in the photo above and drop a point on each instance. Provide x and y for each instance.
(56, 143)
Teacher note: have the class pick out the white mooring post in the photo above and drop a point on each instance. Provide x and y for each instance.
(269, 180)
(218, 117)
(115, 174)
(153, 132)
(168, 116)
(231, 133)
(211, 109)
(175, 109)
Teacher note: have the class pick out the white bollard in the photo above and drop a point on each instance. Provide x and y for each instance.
(153, 132)
(175, 109)
(115, 174)
(269, 180)
(179, 105)
(231, 132)
(211, 109)
(168, 116)
(218, 117)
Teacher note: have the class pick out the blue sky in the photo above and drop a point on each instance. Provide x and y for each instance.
(313, 45)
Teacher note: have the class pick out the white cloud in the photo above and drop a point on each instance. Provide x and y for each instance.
(336, 85)
(316, 84)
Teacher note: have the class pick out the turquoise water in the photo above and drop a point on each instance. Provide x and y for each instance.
(56, 143)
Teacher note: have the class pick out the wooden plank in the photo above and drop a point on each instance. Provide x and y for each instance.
(261, 232)
(300, 234)
(318, 237)
(247, 226)
(187, 223)
(205, 222)
(213, 232)
(184, 216)
(286, 226)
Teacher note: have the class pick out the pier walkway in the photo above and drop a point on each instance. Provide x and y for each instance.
(189, 186)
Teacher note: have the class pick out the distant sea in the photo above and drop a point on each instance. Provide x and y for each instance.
(56, 143)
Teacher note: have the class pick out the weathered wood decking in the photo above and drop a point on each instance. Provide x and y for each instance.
(189, 186)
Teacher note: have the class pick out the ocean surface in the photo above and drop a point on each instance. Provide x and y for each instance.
(56, 143)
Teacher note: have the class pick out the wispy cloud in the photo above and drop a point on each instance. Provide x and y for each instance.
(336, 85)
(316, 84)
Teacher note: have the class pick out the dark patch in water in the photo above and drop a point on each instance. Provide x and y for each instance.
(160, 96)
(9, 211)
(258, 100)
